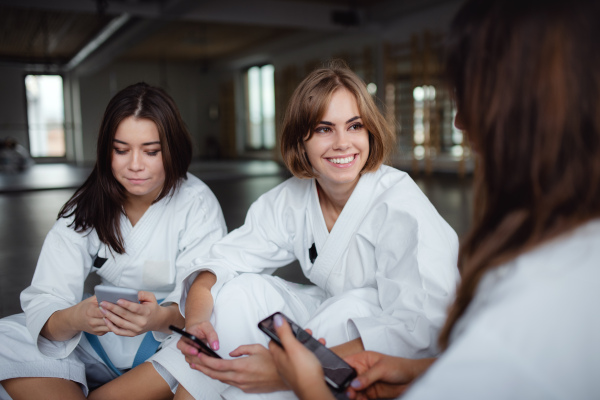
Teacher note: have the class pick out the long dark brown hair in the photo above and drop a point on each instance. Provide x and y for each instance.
(98, 203)
(527, 83)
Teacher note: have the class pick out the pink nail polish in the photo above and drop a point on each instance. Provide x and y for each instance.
(215, 345)
(278, 320)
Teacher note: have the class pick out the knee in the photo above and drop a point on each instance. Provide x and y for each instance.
(242, 287)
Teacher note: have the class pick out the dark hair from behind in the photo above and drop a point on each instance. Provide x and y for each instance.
(98, 203)
(308, 105)
(526, 76)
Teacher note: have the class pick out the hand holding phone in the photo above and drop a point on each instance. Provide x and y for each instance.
(113, 293)
(338, 373)
(195, 342)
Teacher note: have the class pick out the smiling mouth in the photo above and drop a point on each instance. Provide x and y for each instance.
(342, 160)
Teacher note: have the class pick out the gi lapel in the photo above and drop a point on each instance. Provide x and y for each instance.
(135, 238)
(345, 227)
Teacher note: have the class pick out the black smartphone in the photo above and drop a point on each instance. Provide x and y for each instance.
(194, 341)
(338, 373)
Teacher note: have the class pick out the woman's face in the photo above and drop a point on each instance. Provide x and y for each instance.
(137, 158)
(339, 147)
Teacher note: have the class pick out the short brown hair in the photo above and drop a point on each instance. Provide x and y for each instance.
(307, 106)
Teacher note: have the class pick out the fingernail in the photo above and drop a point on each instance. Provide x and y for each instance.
(215, 345)
(102, 310)
(278, 320)
(355, 384)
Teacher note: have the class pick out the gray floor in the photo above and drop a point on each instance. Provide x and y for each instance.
(30, 201)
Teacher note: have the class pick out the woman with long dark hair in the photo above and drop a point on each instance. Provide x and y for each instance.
(525, 322)
(137, 221)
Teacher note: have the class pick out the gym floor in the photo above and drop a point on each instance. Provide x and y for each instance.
(30, 201)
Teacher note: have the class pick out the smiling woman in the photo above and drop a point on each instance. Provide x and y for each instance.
(382, 260)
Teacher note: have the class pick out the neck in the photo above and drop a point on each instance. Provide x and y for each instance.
(136, 206)
(333, 200)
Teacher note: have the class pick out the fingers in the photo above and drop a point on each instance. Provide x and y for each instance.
(121, 321)
(369, 377)
(321, 340)
(284, 331)
(186, 348)
(246, 350)
(117, 309)
(279, 355)
(205, 331)
(146, 297)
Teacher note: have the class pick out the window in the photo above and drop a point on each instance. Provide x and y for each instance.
(261, 108)
(45, 115)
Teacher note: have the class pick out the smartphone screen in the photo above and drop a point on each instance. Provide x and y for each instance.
(194, 341)
(338, 373)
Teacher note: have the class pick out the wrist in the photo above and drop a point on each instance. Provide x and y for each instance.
(318, 390)
(169, 315)
(420, 366)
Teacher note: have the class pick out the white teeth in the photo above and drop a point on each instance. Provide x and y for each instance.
(344, 160)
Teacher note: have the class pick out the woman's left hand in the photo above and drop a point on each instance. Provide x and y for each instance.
(297, 365)
(127, 318)
(255, 373)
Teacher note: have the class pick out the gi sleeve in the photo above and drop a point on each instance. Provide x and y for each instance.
(64, 263)
(204, 225)
(261, 245)
(416, 279)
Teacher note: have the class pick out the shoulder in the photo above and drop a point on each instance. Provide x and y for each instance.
(192, 192)
(392, 182)
(394, 191)
(63, 230)
(546, 298)
(292, 191)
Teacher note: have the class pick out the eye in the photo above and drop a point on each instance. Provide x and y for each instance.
(322, 129)
(356, 127)
(119, 151)
(153, 153)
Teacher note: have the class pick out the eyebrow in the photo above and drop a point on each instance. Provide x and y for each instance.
(143, 144)
(332, 124)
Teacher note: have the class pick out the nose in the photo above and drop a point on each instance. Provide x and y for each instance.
(135, 162)
(341, 141)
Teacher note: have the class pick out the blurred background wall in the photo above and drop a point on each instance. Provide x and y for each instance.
(203, 54)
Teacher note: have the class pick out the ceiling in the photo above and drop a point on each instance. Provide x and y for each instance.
(87, 34)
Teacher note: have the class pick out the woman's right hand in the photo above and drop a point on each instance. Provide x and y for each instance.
(203, 331)
(90, 317)
(383, 376)
(84, 316)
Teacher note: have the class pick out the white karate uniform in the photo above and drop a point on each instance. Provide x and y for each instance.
(385, 273)
(531, 332)
(159, 250)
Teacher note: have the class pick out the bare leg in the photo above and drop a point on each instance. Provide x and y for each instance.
(143, 383)
(43, 388)
(182, 394)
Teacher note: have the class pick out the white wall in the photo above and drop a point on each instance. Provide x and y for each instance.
(191, 89)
